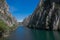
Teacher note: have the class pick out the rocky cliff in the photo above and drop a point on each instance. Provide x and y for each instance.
(46, 16)
(7, 21)
(5, 15)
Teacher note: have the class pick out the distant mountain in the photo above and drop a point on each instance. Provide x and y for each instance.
(20, 24)
(46, 16)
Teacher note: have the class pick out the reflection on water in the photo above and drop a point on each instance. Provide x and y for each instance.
(46, 35)
(23, 33)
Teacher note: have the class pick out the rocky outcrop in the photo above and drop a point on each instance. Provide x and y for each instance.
(46, 15)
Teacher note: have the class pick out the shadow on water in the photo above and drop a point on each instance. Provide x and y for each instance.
(24, 33)
(45, 35)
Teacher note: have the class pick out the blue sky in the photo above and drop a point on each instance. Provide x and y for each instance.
(21, 9)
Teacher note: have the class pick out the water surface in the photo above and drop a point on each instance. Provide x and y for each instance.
(24, 33)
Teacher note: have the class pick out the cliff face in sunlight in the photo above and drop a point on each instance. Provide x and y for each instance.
(7, 21)
(5, 15)
(46, 16)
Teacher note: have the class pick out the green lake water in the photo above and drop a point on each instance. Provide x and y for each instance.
(24, 33)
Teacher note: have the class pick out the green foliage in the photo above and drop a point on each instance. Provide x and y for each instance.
(3, 26)
(13, 27)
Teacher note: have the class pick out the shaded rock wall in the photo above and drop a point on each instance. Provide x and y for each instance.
(46, 15)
